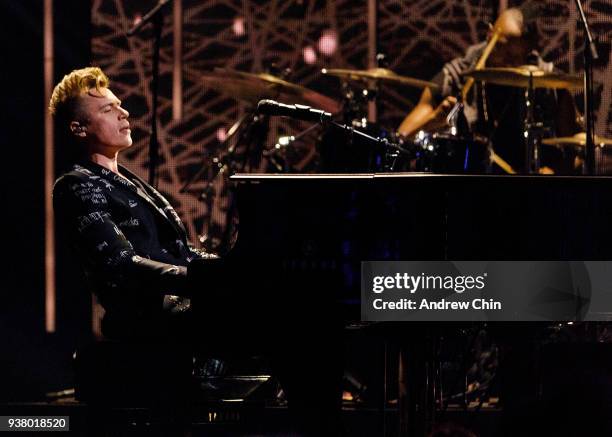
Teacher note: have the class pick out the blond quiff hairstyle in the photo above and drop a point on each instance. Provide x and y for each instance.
(63, 100)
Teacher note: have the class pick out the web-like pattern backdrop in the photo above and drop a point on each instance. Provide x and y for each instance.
(417, 37)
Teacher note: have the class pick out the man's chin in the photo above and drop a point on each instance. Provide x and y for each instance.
(128, 143)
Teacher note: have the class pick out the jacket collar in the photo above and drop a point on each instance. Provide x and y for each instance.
(152, 197)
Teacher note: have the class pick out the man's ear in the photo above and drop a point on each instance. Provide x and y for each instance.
(78, 129)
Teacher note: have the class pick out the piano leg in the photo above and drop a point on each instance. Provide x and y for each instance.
(418, 382)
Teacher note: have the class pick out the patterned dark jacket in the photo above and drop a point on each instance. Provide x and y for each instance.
(132, 245)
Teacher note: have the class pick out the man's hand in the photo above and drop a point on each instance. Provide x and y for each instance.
(509, 24)
(443, 109)
(425, 117)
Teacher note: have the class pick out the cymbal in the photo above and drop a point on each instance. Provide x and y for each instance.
(379, 74)
(252, 87)
(519, 77)
(577, 140)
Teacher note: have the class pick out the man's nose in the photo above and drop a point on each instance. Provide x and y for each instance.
(123, 113)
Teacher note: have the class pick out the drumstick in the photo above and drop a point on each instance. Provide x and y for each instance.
(481, 62)
(512, 21)
(501, 163)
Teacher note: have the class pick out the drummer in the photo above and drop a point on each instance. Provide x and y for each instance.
(495, 111)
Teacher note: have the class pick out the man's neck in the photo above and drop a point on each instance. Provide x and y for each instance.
(106, 161)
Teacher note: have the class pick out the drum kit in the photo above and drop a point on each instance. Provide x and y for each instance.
(362, 146)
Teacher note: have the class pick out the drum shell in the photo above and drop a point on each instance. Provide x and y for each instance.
(443, 152)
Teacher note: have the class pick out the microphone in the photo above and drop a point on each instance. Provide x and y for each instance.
(297, 112)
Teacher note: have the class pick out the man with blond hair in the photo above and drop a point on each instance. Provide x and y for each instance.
(134, 248)
(130, 241)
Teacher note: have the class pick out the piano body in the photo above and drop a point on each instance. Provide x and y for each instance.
(301, 239)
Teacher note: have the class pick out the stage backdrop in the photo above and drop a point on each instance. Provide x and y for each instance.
(296, 38)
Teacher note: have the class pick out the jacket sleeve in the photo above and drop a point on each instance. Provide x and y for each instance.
(201, 253)
(82, 211)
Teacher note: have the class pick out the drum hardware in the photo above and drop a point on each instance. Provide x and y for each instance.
(510, 22)
(377, 149)
(432, 156)
(532, 133)
(396, 160)
(449, 152)
(529, 77)
(457, 121)
(348, 149)
(249, 130)
(526, 76)
(457, 150)
(355, 104)
(453, 150)
(225, 163)
(355, 133)
(577, 141)
(357, 94)
(369, 81)
(573, 150)
(277, 154)
(352, 148)
(496, 159)
(377, 75)
(373, 147)
(251, 88)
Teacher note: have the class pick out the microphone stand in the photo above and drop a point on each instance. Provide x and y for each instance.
(362, 135)
(590, 55)
(157, 17)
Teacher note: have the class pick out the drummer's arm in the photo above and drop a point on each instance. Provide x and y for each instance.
(425, 116)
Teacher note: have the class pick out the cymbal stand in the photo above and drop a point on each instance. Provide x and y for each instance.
(220, 163)
(280, 148)
(244, 128)
(532, 132)
(223, 164)
(355, 104)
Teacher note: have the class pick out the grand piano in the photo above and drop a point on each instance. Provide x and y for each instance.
(301, 238)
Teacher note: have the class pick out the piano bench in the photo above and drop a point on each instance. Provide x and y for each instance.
(120, 374)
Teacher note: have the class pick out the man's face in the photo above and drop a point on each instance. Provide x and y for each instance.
(107, 129)
(509, 53)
